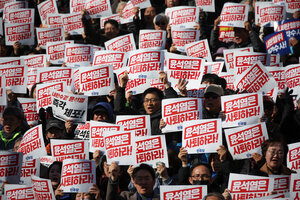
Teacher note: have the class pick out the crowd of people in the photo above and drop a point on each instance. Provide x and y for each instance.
(143, 182)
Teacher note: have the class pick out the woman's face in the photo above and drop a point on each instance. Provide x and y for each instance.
(11, 123)
(54, 175)
(81, 196)
(274, 156)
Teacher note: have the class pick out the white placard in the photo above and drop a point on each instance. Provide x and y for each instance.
(22, 33)
(11, 165)
(124, 43)
(77, 55)
(152, 39)
(191, 192)
(234, 14)
(45, 8)
(45, 35)
(139, 124)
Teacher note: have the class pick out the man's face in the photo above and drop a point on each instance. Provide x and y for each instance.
(54, 133)
(152, 103)
(143, 182)
(11, 123)
(212, 102)
(201, 173)
(240, 35)
(171, 3)
(100, 116)
(274, 156)
(110, 30)
(149, 14)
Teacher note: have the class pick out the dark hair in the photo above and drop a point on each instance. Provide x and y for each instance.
(201, 164)
(159, 93)
(32, 90)
(54, 163)
(266, 144)
(112, 22)
(15, 111)
(212, 78)
(144, 167)
(214, 194)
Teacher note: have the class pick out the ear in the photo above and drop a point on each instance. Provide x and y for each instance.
(191, 180)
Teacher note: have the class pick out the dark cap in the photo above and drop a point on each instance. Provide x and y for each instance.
(54, 123)
(100, 109)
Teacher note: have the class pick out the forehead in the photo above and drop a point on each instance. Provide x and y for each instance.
(201, 170)
(149, 9)
(151, 95)
(276, 146)
(109, 25)
(142, 173)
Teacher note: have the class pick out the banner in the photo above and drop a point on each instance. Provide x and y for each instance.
(30, 166)
(11, 5)
(72, 23)
(178, 110)
(73, 149)
(45, 8)
(244, 60)
(42, 188)
(56, 51)
(55, 74)
(244, 141)
(183, 16)
(291, 28)
(151, 150)
(141, 3)
(229, 56)
(181, 37)
(54, 21)
(29, 109)
(97, 9)
(191, 192)
(117, 59)
(45, 35)
(104, 19)
(67, 106)
(20, 16)
(206, 5)
(277, 43)
(255, 79)
(202, 136)
(22, 33)
(234, 14)
(98, 131)
(140, 125)
(199, 49)
(242, 109)
(78, 175)
(16, 191)
(266, 13)
(11, 61)
(76, 6)
(295, 187)
(15, 78)
(292, 6)
(82, 131)
(249, 186)
(119, 146)
(292, 75)
(293, 157)
(226, 34)
(11, 165)
(145, 63)
(77, 55)
(152, 39)
(124, 43)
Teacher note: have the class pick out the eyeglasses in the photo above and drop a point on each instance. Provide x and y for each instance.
(199, 176)
(151, 100)
(278, 153)
(214, 96)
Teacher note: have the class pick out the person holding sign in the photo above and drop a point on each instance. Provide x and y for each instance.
(212, 101)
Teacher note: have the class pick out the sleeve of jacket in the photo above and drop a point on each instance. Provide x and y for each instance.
(120, 104)
(215, 43)
(258, 46)
(92, 36)
(183, 176)
(170, 93)
(112, 191)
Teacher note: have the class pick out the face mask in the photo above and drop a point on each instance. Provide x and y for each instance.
(198, 182)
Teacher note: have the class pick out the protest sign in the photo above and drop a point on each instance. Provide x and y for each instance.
(292, 75)
(97, 133)
(119, 147)
(234, 14)
(141, 3)
(199, 49)
(196, 90)
(117, 59)
(54, 21)
(55, 74)
(30, 166)
(43, 93)
(138, 85)
(97, 9)
(18, 16)
(128, 14)
(76, 6)
(249, 186)
(191, 192)
(145, 63)
(244, 60)
(229, 56)
(3, 100)
(32, 143)
(104, 19)
(72, 23)
(16, 191)
(96, 80)
(293, 157)
(291, 6)
(21, 32)
(77, 55)
(206, 5)
(47, 160)
(8, 6)
(67, 106)
(78, 175)
(1, 27)
(277, 43)
(178, 110)
(139, 124)
(45, 8)
(56, 51)
(291, 27)
(230, 78)
(124, 43)
(212, 68)
(281, 183)
(266, 13)
(202, 136)
(42, 188)
(181, 37)
(278, 74)
(273, 59)
(97, 48)
(157, 83)
(29, 109)
(226, 34)
(11, 165)
(82, 131)
(11, 61)
(152, 39)
(242, 109)
(255, 79)
(295, 187)
(151, 150)
(183, 16)
(244, 141)
(73, 149)
(45, 35)
(15, 78)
